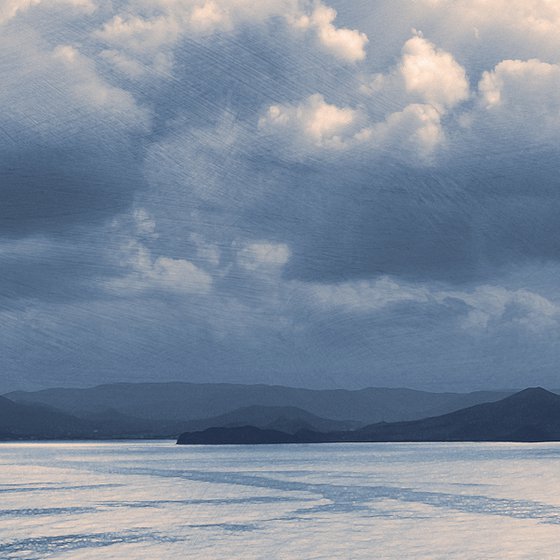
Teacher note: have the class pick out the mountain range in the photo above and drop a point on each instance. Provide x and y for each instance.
(26, 421)
(167, 409)
(530, 415)
(176, 401)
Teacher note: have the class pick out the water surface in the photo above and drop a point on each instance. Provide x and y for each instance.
(155, 500)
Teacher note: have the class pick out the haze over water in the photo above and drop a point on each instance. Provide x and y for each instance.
(145, 500)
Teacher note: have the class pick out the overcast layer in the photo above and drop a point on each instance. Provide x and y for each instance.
(323, 194)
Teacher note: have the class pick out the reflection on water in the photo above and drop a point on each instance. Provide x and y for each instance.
(145, 500)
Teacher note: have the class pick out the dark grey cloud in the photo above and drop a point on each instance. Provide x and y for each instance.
(56, 188)
(249, 198)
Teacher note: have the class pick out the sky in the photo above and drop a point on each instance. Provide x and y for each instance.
(310, 193)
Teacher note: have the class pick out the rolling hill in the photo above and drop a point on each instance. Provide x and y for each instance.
(26, 421)
(530, 415)
(181, 402)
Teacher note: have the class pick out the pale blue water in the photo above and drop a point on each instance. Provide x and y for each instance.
(155, 500)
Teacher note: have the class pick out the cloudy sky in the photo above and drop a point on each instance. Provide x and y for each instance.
(322, 193)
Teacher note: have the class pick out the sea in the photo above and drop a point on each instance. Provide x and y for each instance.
(154, 500)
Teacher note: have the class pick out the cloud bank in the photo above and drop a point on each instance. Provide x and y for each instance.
(310, 193)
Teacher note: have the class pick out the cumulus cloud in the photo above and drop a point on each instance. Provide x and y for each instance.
(78, 95)
(137, 33)
(263, 256)
(145, 31)
(162, 273)
(412, 134)
(141, 270)
(88, 88)
(417, 129)
(518, 84)
(424, 74)
(253, 178)
(432, 74)
(314, 122)
(179, 274)
(427, 82)
(10, 8)
(523, 93)
(536, 17)
(346, 44)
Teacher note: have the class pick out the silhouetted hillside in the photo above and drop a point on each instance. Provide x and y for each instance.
(36, 421)
(287, 419)
(181, 402)
(530, 415)
(241, 435)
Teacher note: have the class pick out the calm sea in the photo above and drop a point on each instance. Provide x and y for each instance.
(155, 500)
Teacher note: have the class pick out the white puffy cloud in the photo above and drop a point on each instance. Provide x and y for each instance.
(426, 83)
(517, 104)
(137, 33)
(142, 270)
(262, 256)
(163, 273)
(87, 88)
(522, 84)
(424, 74)
(10, 8)
(538, 17)
(56, 93)
(314, 122)
(491, 30)
(523, 95)
(413, 133)
(415, 130)
(179, 275)
(150, 29)
(346, 44)
(432, 74)
(209, 16)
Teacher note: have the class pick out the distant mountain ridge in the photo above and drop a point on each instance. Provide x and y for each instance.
(181, 402)
(36, 421)
(86, 413)
(287, 419)
(531, 415)
(26, 421)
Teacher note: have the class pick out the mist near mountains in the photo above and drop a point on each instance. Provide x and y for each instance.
(189, 401)
(531, 415)
(168, 409)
